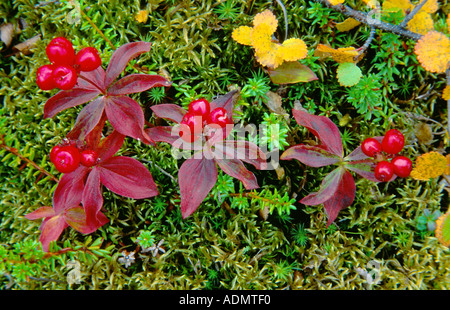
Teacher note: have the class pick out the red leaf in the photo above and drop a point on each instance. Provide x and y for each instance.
(328, 188)
(122, 56)
(69, 190)
(239, 149)
(226, 101)
(109, 145)
(162, 134)
(68, 99)
(236, 169)
(343, 197)
(126, 116)
(92, 197)
(364, 168)
(88, 118)
(51, 229)
(94, 79)
(323, 128)
(76, 218)
(126, 176)
(41, 213)
(169, 111)
(310, 155)
(135, 83)
(196, 178)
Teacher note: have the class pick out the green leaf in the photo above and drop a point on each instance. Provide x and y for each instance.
(443, 229)
(348, 74)
(291, 72)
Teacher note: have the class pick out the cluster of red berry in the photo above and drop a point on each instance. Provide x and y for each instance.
(200, 115)
(65, 65)
(391, 144)
(67, 157)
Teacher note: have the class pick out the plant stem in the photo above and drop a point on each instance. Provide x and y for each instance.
(285, 19)
(23, 158)
(412, 13)
(366, 19)
(97, 29)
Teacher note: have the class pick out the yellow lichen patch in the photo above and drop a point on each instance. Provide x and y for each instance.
(433, 51)
(293, 49)
(421, 23)
(268, 18)
(442, 231)
(340, 55)
(446, 93)
(347, 24)
(242, 35)
(448, 23)
(428, 166)
(336, 2)
(395, 5)
(431, 6)
(141, 16)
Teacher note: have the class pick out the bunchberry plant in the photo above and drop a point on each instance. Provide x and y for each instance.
(108, 96)
(338, 188)
(207, 138)
(86, 159)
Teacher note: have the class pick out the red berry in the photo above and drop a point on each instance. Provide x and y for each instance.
(53, 153)
(218, 116)
(370, 147)
(88, 158)
(88, 59)
(66, 159)
(384, 171)
(393, 141)
(190, 127)
(44, 78)
(60, 51)
(200, 107)
(65, 77)
(402, 166)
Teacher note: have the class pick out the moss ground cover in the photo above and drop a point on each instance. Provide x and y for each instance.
(261, 238)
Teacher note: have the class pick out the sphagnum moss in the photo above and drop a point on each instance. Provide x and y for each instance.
(219, 246)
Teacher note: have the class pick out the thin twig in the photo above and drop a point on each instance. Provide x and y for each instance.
(23, 158)
(412, 13)
(366, 19)
(160, 169)
(366, 44)
(97, 29)
(285, 19)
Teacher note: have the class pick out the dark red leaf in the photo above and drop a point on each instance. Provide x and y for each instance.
(226, 101)
(169, 111)
(68, 99)
(41, 213)
(310, 155)
(323, 128)
(135, 83)
(51, 229)
(196, 178)
(94, 79)
(364, 168)
(343, 197)
(68, 192)
(88, 118)
(92, 197)
(239, 149)
(109, 146)
(236, 169)
(122, 56)
(76, 218)
(126, 116)
(328, 188)
(127, 177)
